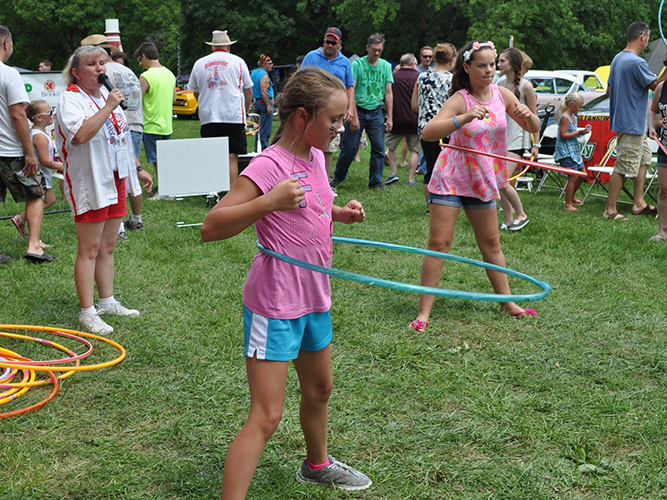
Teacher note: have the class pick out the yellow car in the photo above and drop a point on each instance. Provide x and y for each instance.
(185, 105)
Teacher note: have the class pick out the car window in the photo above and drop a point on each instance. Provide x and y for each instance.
(543, 85)
(592, 83)
(562, 85)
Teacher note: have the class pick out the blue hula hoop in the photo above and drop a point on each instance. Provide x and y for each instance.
(660, 22)
(406, 287)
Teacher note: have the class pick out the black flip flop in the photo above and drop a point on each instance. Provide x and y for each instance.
(4, 258)
(38, 259)
(647, 210)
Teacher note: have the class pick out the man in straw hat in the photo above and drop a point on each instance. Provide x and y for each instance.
(223, 87)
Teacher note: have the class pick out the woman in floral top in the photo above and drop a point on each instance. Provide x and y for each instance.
(475, 118)
(430, 93)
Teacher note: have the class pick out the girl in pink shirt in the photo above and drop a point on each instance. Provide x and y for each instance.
(285, 193)
(475, 118)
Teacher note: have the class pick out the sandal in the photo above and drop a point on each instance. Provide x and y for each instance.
(528, 311)
(418, 325)
(20, 226)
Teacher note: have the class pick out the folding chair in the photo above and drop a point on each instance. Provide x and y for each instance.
(598, 170)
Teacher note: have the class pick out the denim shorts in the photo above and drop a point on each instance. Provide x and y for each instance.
(570, 163)
(150, 145)
(453, 200)
(282, 339)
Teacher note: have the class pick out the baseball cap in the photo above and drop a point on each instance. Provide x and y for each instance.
(334, 32)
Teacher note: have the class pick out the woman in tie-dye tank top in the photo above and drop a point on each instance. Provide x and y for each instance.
(475, 118)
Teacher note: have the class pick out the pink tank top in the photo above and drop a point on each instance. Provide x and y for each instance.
(468, 174)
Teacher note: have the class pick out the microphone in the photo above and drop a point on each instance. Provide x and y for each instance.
(104, 80)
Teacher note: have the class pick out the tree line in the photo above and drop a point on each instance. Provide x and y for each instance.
(557, 34)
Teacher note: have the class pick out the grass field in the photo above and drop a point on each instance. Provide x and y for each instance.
(569, 405)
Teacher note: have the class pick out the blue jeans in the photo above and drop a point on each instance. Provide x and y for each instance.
(373, 122)
(265, 122)
(137, 138)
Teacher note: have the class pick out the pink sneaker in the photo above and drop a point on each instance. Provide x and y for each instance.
(418, 325)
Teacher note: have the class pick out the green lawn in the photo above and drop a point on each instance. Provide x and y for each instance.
(571, 404)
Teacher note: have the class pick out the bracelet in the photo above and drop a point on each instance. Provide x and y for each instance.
(140, 168)
(456, 123)
(536, 145)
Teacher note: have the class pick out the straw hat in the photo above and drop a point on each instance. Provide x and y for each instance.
(99, 41)
(220, 38)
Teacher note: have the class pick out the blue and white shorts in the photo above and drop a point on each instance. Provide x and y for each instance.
(282, 339)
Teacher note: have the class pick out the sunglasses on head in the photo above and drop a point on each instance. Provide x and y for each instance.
(331, 42)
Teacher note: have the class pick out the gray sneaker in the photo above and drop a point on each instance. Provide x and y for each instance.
(336, 474)
(130, 225)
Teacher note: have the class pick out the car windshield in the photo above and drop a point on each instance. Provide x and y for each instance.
(598, 104)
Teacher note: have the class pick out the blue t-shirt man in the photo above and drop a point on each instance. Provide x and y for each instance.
(629, 81)
(339, 66)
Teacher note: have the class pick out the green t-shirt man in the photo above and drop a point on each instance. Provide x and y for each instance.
(157, 101)
(370, 82)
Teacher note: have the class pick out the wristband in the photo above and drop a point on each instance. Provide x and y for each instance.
(536, 145)
(456, 123)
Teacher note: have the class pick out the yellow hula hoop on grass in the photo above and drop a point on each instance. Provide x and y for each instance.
(106, 364)
(32, 382)
(15, 392)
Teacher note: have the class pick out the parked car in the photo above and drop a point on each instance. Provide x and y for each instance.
(551, 87)
(588, 78)
(185, 105)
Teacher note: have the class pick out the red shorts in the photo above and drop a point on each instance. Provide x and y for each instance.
(110, 212)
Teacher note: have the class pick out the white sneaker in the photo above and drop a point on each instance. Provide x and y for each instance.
(92, 323)
(118, 310)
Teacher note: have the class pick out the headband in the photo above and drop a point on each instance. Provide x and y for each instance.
(477, 46)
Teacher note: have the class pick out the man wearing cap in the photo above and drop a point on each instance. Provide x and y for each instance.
(262, 93)
(223, 87)
(329, 58)
(158, 89)
(124, 79)
(19, 170)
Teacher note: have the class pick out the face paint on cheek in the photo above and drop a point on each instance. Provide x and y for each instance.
(332, 133)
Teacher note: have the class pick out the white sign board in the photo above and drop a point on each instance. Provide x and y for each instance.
(191, 167)
(44, 85)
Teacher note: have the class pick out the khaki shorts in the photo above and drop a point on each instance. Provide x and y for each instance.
(392, 141)
(334, 145)
(632, 151)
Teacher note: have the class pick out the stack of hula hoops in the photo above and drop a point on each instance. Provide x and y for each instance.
(19, 374)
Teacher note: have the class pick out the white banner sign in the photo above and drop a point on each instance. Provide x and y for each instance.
(45, 85)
